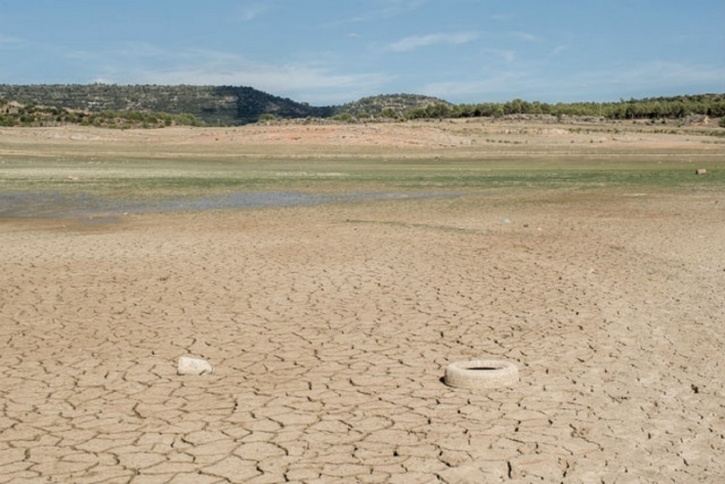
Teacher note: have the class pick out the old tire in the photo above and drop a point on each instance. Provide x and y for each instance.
(481, 374)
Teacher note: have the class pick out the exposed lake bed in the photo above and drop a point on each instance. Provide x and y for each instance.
(330, 305)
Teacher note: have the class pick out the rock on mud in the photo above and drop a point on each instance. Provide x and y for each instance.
(189, 365)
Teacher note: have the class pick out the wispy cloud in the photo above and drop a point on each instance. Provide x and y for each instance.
(9, 40)
(529, 37)
(125, 52)
(417, 41)
(311, 82)
(677, 71)
(558, 50)
(507, 55)
(247, 13)
(385, 9)
(275, 78)
(535, 82)
(506, 83)
(654, 76)
(318, 86)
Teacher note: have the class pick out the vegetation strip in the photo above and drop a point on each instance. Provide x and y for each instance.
(159, 106)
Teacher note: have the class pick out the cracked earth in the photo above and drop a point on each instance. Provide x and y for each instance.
(329, 329)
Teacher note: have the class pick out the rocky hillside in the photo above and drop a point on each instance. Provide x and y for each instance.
(211, 105)
(153, 105)
(388, 105)
(214, 105)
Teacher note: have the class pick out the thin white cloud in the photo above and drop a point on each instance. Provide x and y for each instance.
(248, 13)
(533, 82)
(657, 75)
(385, 9)
(480, 89)
(271, 78)
(680, 72)
(141, 49)
(128, 51)
(529, 37)
(507, 55)
(317, 86)
(558, 50)
(312, 82)
(417, 41)
(9, 40)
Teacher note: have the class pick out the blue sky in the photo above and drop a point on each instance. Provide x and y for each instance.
(334, 51)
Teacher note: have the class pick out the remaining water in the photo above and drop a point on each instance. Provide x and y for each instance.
(45, 204)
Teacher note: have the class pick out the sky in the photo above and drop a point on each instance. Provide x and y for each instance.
(329, 52)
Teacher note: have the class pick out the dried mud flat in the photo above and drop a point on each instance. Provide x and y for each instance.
(330, 326)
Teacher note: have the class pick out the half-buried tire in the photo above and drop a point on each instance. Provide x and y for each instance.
(481, 374)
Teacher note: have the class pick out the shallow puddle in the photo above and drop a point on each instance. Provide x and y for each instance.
(46, 204)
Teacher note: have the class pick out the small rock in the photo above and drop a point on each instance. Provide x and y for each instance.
(193, 366)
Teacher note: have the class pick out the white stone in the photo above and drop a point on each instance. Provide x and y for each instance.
(193, 366)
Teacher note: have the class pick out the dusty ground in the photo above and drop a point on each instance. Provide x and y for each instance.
(330, 326)
(426, 134)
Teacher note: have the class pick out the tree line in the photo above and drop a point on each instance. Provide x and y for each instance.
(712, 105)
(14, 114)
(160, 106)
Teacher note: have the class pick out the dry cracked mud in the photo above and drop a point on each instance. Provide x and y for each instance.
(329, 328)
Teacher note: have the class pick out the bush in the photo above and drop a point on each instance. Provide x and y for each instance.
(267, 118)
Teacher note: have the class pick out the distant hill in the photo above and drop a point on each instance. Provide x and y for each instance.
(388, 105)
(214, 105)
(157, 106)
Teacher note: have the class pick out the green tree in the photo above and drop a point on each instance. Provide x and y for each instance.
(438, 110)
(388, 113)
